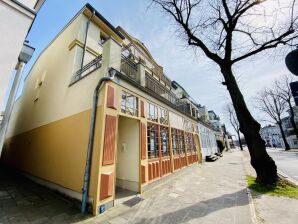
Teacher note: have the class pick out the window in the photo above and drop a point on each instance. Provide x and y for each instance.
(163, 116)
(102, 39)
(178, 142)
(189, 142)
(152, 135)
(164, 138)
(181, 142)
(152, 112)
(175, 141)
(187, 125)
(129, 104)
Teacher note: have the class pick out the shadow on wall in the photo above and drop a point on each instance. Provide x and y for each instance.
(201, 209)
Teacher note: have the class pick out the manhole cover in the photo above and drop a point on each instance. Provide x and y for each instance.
(132, 202)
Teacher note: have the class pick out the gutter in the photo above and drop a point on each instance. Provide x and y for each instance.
(86, 36)
(86, 183)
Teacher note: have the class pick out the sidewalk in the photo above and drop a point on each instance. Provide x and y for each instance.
(209, 193)
(271, 209)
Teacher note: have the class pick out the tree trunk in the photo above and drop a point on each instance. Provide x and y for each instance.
(287, 147)
(293, 120)
(263, 164)
(239, 139)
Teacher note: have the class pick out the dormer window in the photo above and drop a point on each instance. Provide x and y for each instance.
(102, 39)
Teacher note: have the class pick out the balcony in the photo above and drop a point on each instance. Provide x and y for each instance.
(161, 90)
(158, 84)
(88, 68)
(129, 67)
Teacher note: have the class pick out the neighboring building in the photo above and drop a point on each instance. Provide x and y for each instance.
(271, 135)
(289, 131)
(214, 120)
(16, 18)
(1, 117)
(203, 113)
(142, 132)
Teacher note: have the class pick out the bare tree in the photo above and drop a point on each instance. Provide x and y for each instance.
(274, 107)
(284, 91)
(231, 114)
(227, 32)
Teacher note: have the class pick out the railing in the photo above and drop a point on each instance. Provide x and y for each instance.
(159, 89)
(92, 65)
(129, 67)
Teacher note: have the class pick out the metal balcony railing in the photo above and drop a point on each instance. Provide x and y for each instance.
(89, 67)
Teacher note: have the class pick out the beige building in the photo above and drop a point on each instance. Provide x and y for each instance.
(16, 18)
(140, 133)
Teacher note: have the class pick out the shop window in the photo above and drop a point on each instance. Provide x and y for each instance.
(181, 142)
(164, 138)
(152, 135)
(175, 141)
(129, 104)
(163, 116)
(152, 112)
(189, 142)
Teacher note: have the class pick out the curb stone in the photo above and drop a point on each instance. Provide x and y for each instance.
(252, 207)
(287, 177)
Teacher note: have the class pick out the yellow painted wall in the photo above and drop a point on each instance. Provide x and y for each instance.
(127, 161)
(49, 127)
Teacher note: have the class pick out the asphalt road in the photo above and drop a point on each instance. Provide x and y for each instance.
(286, 161)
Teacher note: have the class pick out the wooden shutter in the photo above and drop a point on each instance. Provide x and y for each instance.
(109, 140)
(111, 98)
(143, 141)
(106, 185)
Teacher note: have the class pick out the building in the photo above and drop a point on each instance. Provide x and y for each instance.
(96, 92)
(16, 19)
(271, 135)
(1, 117)
(289, 131)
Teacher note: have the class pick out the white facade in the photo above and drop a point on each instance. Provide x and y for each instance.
(16, 18)
(208, 141)
(272, 136)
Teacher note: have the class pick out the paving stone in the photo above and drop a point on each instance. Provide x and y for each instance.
(118, 220)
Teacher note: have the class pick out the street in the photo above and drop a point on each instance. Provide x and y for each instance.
(286, 161)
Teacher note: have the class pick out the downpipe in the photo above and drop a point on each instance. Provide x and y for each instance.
(111, 72)
(85, 40)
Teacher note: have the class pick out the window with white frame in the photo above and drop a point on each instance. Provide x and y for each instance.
(129, 104)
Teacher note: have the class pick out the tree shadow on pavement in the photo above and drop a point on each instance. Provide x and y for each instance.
(201, 209)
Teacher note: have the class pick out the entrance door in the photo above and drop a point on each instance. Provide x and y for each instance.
(127, 160)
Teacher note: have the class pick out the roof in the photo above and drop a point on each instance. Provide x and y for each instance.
(174, 83)
(90, 7)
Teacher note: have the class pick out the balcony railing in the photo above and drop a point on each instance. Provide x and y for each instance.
(89, 67)
(129, 67)
(159, 89)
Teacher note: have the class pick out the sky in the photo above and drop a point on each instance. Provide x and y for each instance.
(199, 76)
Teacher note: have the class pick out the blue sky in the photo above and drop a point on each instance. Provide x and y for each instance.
(200, 77)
